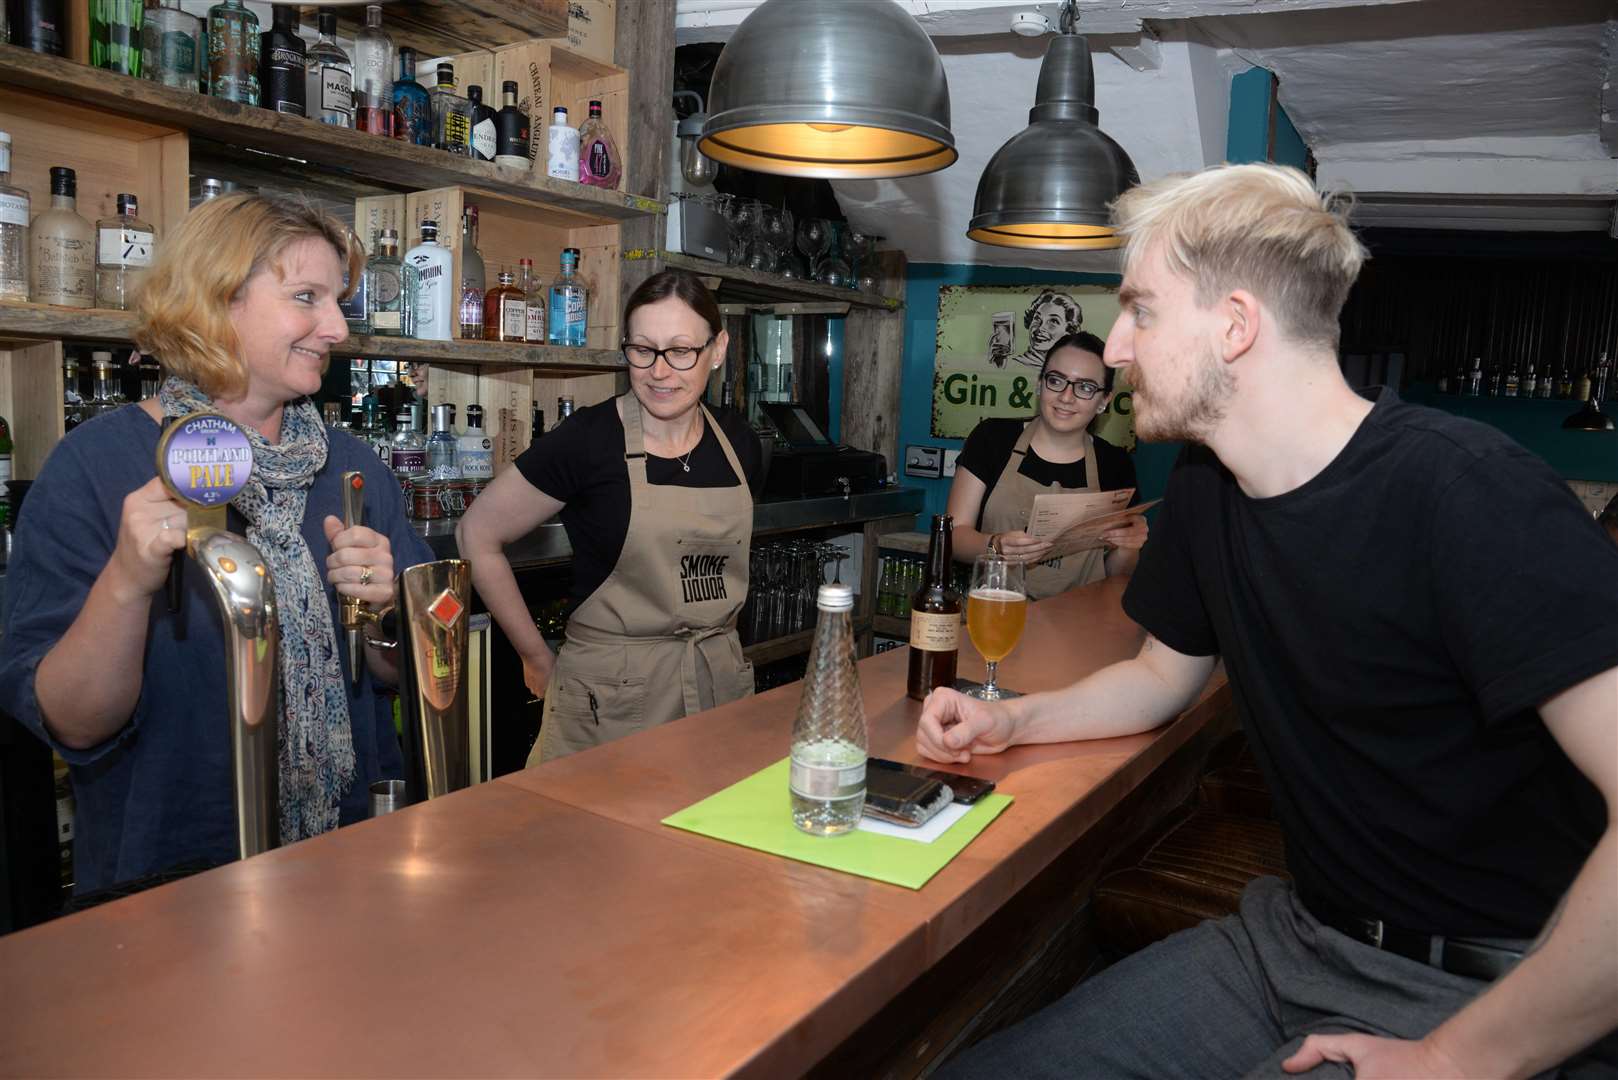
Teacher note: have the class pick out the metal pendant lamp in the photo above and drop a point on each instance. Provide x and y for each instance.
(1049, 187)
(843, 89)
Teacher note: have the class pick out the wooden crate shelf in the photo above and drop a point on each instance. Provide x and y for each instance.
(356, 153)
(25, 323)
(741, 285)
(439, 27)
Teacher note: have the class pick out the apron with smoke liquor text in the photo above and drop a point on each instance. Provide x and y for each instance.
(1010, 504)
(657, 640)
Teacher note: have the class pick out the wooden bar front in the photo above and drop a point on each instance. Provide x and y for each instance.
(547, 924)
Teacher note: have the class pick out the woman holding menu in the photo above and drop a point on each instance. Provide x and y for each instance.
(1006, 462)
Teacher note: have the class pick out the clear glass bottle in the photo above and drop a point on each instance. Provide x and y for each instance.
(209, 190)
(373, 75)
(105, 397)
(1512, 381)
(151, 376)
(169, 45)
(40, 25)
(1530, 382)
(437, 296)
(829, 736)
(63, 257)
(407, 453)
(599, 163)
(474, 279)
(452, 115)
(536, 428)
(283, 64)
(1474, 378)
(562, 147)
(14, 246)
(484, 138)
(357, 305)
(329, 91)
(569, 304)
(392, 289)
(474, 448)
(534, 301)
(125, 247)
(564, 409)
(505, 311)
(233, 43)
(74, 412)
(511, 130)
(115, 27)
(374, 432)
(443, 460)
(412, 108)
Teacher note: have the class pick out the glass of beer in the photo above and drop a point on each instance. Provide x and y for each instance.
(996, 609)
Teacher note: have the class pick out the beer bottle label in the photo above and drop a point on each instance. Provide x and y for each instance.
(935, 633)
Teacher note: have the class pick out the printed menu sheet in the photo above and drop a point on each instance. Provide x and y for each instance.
(1075, 522)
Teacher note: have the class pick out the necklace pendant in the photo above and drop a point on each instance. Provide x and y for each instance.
(686, 465)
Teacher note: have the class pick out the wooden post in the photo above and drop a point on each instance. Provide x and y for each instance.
(873, 362)
(645, 45)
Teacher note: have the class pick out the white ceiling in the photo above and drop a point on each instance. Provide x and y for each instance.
(1436, 113)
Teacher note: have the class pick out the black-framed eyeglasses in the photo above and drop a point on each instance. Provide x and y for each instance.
(1083, 389)
(678, 357)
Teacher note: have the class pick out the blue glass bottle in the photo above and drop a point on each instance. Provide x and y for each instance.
(568, 304)
(412, 108)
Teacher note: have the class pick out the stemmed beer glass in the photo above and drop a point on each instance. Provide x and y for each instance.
(996, 608)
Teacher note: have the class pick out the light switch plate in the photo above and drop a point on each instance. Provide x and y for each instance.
(949, 462)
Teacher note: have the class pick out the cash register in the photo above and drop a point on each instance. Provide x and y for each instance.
(806, 464)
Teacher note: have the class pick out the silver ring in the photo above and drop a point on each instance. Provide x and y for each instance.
(365, 575)
(166, 523)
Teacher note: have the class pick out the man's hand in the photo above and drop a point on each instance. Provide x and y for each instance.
(1371, 1057)
(953, 726)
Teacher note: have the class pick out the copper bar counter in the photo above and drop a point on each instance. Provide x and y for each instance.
(545, 924)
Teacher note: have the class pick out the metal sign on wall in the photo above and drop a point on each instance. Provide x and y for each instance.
(992, 340)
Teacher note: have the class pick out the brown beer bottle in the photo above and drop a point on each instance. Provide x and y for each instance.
(935, 618)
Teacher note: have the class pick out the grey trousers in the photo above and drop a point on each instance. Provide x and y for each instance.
(1233, 997)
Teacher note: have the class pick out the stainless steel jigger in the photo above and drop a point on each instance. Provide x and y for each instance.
(203, 460)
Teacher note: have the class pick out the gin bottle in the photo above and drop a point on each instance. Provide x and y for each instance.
(568, 304)
(407, 454)
(443, 461)
(412, 108)
(474, 448)
(283, 58)
(373, 75)
(511, 129)
(13, 230)
(829, 737)
(74, 412)
(437, 296)
(105, 397)
(484, 139)
(452, 115)
(599, 164)
(562, 147)
(564, 409)
(115, 35)
(505, 311)
(392, 289)
(170, 51)
(233, 44)
(63, 260)
(125, 246)
(329, 91)
(533, 302)
(473, 278)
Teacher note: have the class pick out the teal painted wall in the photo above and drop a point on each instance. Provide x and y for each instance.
(1537, 427)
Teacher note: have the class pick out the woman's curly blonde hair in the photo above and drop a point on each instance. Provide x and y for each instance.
(183, 307)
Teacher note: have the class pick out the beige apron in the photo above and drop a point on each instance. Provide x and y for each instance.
(1012, 500)
(657, 641)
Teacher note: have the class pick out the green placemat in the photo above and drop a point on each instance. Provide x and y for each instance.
(757, 813)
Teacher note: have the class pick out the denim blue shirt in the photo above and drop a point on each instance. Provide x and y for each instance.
(159, 791)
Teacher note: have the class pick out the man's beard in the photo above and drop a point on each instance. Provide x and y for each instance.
(1193, 418)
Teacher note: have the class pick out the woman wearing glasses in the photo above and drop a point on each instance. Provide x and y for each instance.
(655, 493)
(1006, 462)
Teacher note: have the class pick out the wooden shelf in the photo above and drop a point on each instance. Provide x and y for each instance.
(739, 284)
(764, 652)
(262, 133)
(893, 626)
(438, 27)
(34, 322)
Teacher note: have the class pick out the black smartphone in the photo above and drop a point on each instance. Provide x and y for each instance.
(967, 789)
(903, 798)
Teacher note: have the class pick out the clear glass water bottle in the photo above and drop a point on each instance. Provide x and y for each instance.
(829, 737)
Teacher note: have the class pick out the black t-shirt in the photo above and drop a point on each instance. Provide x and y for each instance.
(1390, 628)
(581, 464)
(989, 447)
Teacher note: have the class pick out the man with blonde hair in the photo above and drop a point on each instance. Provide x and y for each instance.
(1433, 700)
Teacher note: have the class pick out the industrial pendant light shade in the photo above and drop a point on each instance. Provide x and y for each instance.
(1589, 418)
(1049, 186)
(844, 89)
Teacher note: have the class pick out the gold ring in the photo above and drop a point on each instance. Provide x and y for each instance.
(365, 575)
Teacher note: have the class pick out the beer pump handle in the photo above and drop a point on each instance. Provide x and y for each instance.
(176, 582)
(349, 606)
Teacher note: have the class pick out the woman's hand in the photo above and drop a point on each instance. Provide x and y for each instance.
(151, 529)
(536, 672)
(360, 563)
(1019, 545)
(1131, 537)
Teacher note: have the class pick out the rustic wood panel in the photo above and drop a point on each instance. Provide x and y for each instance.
(873, 355)
(440, 27)
(354, 152)
(31, 399)
(645, 46)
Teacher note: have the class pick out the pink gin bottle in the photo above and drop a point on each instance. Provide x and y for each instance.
(599, 163)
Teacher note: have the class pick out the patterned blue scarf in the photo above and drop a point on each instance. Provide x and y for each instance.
(316, 740)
